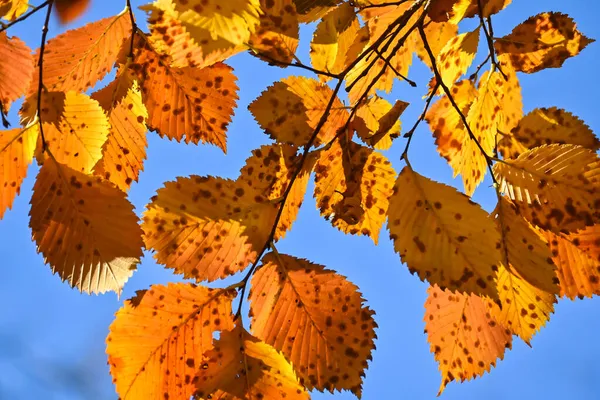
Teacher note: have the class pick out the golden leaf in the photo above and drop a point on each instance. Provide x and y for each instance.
(277, 34)
(158, 337)
(577, 256)
(332, 39)
(234, 20)
(547, 126)
(527, 282)
(443, 236)
(79, 58)
(75, 127)
(377, 122)
(464, 338)
(13, 9)
(85, 228)
(125, 150)
(185, 102)
(325, 314)
(456, 56)
(554, 187)
(16, 70)
(193, 48)
(17, 147)
(543, 41)
(438, 34)
(290, 110)
(352, 187)
(241, 366)
(312, 10)
(511, 104)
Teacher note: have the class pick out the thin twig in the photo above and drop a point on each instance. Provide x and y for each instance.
(296, 64)
(41, 72)
(134, 28)
(489, 38)
(474, 75)
(26, 15)
(411, 133)
(398, 74)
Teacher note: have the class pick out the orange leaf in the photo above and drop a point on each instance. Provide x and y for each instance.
(16, 70)
(69, 10)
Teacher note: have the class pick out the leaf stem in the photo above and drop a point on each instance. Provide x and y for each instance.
(49, 4)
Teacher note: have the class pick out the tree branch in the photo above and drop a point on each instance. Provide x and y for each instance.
(26, 15)
(49, 4)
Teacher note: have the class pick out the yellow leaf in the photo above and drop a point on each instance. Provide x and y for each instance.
(242, 367)
(456, 56)
(79, 58)
(554, 187)
(448, 10)
(125, 150)
(290, 110)
(185, 102)
(443, 236)
(465, 339)
(577, 256)
(269, 172)
(377, 122)
(543, 41)
(186, 48)
(483, 119)
(325, 314)
(158, 337)
(85, 228)
(234, 20)
(75, 127)
(332, 39)
(511, 105)
(352, 187)
(312, 10)
(13, 9)
(277, 34)
(447, 126)
(17, 147)
(527, 283)
(16, 70)
(438, 34)
(547, 126)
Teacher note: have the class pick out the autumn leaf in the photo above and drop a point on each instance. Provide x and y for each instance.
(79, 58)
(352, 187)
(332, 328)
(456, 56)
(156, 342)
(69, 10)
(168, 35)
(527, 283)
(443, 236)
(465, 339)
(545, 126)
(234, 20)
(554, 187)
(332, 39)
(75, 127)
(377, 122)
(438, 35)
(290, 110)
(241, 366)
(13, 9)
(16, 70)
(17, 147)
(313, 10)
(125, 150)
(577, 257)
(85, 228)
(511, 103)
(545, 40)
(192, 103)
(277, 35)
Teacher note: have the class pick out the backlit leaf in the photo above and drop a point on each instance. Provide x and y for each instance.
(69, 10)
(13, 9)
(377, 122)
(85, 228)
(324, 312)
(241, 366)
(17, 147)
(438, 35)
(352, 187)
(443, 236)
(16, 70)
(125, 150)
(464, 338)
(457, 55)
(277, 34)
(543, 41)
(290, 110)
(547, 126)
(554, 187)
(158, 337)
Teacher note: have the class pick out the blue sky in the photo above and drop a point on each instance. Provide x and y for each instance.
(52, 338)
